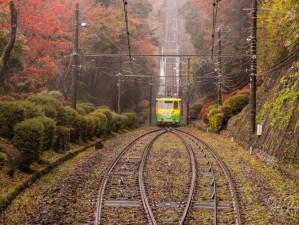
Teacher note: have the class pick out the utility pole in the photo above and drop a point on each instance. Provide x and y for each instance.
(75, 58)
(150, 101)
(181, 86)
(188, 93)
(253, 67)
(118, 92)
(219, 68)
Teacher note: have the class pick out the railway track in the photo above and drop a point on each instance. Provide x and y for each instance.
(211, 160)
(119, 186)
(137, 183)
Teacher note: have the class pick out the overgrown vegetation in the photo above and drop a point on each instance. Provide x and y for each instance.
(280, 110)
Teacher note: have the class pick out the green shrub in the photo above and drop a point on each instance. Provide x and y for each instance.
(90, 128)
(215, 117)
(213, 110)
(108, 113)
(49, 105)
(3, 159)
(14, 112)
(88, 107)
(69, 117)
(31, 109)
(103, 122)
(45, 100)
(97, 126)
(28, 139)
(80, 110)
(10, 114)
(237, 102)
(124, 122)
(116, 122)
(216, 121)
(62, 138)
(49, 132)
(132, 117)
(227, 113)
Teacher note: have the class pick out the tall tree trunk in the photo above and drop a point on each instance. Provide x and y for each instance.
(8, 48)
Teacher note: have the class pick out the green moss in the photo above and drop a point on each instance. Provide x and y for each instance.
(281, 109)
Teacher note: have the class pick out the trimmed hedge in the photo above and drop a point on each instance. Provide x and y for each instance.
(70, 118)
(227, 113)
(214, 116)
(218, 116)
(108, 113)
(81, 110)
(132, 118)
(63, 136)
(216, 121)
(12, 113)
(49, 132)
(49, 105)
(103, 122)
(90, 127)
(45, 100)
(87, 107)
(28, 139)
(117, 122)
(237, 102)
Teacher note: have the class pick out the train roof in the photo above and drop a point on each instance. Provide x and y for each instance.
(168, 99)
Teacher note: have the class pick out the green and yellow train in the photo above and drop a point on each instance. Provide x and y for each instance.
(168, 111)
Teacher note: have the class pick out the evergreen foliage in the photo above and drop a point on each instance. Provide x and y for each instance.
(28, 139)
(237, 103)
(63, 136)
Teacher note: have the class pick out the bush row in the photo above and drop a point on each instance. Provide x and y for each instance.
(218, 116)
(41, 123)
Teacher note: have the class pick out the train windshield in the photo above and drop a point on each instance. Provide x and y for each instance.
(168, 104)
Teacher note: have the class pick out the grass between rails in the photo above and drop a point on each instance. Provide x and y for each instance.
(266, 195)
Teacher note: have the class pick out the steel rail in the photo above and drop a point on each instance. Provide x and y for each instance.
(214, 195)
(228, 176)
(193, 179)
(144, 198)
(106, 175)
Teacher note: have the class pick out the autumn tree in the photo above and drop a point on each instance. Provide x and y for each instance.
(9, 46)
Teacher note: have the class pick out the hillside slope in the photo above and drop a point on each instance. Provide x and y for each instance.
(278, 95)
(278, 113)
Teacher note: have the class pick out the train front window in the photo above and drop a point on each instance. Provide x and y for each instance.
(168, 104)
(175, 105)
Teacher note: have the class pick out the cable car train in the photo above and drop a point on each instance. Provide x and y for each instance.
(168, 111)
